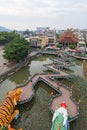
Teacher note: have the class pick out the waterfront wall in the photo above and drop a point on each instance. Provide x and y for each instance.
(16, 67)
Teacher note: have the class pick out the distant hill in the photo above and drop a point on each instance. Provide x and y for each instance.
(3, 29)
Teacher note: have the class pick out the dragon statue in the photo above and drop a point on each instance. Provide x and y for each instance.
(7, 112)
(60, 118)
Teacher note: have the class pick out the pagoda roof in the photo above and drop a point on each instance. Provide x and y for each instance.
(68, 35)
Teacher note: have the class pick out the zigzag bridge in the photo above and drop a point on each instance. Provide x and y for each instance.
(63, 92)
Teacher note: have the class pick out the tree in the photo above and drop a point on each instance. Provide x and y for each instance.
(6, 37)
(57, 35)
(86, 43)
(72, 46)
(27, 32)
(16, 50)
(59, 45)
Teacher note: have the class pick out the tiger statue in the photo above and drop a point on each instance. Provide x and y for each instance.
(7, 112)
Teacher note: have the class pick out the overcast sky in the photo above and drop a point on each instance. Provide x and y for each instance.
(59, 14)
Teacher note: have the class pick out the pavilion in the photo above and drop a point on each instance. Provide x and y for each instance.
(68, 38)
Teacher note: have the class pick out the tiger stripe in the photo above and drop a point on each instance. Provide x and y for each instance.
(2, 109)
(3, 114)
(2, 120)
(7, 103)
(12, 105)
(6, 107)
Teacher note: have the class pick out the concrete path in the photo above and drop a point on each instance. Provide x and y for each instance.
(3, 62)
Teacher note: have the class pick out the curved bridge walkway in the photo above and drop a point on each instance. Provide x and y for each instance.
(28, 91)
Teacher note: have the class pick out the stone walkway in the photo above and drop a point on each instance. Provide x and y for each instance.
(3, 62)
(4, 65)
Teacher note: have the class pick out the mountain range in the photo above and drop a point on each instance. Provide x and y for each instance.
(4, 29)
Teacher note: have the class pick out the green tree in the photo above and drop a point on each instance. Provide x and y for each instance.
(59, 45)
(57, 35)
(72, 46)
(16, 50)
(6, 37)
(86, 43)
(26, 32)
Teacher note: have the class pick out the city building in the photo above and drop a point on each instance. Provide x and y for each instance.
(46, 31)
(81, 45)
(38, 41)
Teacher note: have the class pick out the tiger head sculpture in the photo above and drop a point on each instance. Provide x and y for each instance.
(15, 95)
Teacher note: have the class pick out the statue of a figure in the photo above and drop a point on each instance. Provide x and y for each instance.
(60, 118)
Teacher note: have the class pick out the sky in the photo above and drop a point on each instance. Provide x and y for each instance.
(29, 14)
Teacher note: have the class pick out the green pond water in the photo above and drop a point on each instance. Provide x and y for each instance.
(78, 68)
(34, 115)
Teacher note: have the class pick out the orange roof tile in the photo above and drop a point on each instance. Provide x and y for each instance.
(68, 35)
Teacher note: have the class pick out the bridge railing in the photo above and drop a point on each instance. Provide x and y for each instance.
(50, 84)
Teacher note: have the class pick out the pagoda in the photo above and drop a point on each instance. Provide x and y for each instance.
(68, 38)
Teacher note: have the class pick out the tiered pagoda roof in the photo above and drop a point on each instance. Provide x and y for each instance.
(68, 36)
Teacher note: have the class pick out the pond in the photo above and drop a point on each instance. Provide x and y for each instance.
(34, 115)
(78, 68)
(35, 66)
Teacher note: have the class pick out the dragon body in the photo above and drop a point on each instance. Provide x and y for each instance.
(60, 119)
